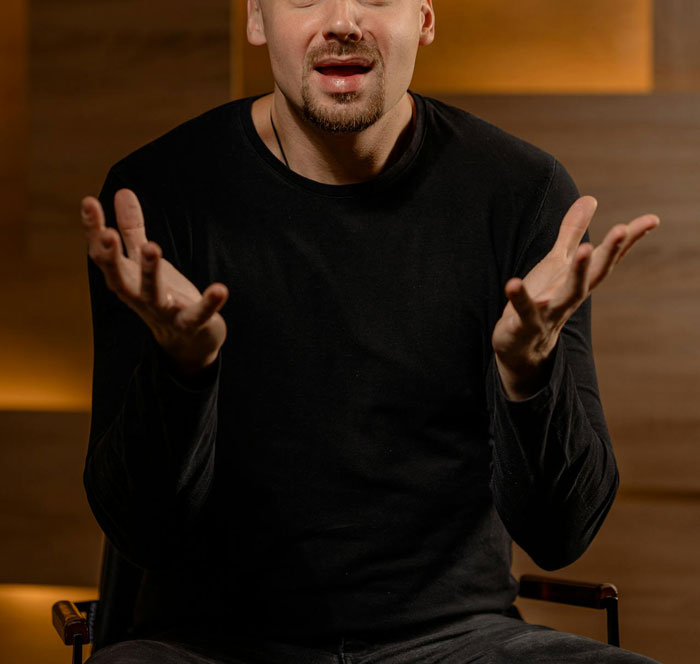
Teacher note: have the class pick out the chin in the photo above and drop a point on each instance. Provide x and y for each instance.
(343, 113)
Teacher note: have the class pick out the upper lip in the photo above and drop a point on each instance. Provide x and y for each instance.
(339, 62)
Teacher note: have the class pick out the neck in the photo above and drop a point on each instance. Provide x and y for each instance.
(333, 158)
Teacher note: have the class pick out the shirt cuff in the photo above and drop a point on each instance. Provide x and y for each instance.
(544, 398)
(166, 374)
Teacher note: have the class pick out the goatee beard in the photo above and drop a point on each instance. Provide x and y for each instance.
(340, 118)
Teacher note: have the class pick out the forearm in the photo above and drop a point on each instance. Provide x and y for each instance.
(149, 471)
(554, 474)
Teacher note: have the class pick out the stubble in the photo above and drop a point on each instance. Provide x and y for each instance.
(344, 115)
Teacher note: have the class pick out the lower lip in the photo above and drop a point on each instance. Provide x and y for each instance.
(336, 84)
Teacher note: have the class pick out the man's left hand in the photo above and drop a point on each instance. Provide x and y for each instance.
(540, 304)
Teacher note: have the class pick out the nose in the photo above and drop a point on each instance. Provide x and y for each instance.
(342, 22)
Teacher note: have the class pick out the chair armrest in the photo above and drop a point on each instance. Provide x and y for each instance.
(578, 593)
(69, 622)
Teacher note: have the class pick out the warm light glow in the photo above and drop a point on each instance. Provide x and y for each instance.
(26, 631)
(51, 397)
(25, 598)
(539, 46)
(36, 377)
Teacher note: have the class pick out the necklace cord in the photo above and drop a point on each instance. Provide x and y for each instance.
(279, 143)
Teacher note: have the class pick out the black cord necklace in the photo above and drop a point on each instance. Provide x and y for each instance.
(279, 143)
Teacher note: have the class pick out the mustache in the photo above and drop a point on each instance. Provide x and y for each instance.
(345, 50)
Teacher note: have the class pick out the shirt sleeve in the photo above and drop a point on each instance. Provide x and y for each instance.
(150, 461)
(554, 476)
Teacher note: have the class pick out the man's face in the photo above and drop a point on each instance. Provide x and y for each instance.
(341, 63)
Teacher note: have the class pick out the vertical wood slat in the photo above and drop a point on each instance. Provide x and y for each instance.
(13, 126)
(677, 58)
(250, 65)
(238, 14)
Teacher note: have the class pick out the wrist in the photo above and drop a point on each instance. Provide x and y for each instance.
(523, 378)
(193, 369)
(181, 364)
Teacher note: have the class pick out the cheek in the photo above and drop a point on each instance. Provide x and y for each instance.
(290, 47)
(400, 41)
(287, 63)
(400, 55)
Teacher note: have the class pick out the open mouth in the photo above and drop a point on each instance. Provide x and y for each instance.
(342, 70)
(343, 75)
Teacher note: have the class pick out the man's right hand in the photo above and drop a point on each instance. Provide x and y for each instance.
(185, 322)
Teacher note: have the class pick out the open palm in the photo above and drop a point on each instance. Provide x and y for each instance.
(185, 322)
(540, 304)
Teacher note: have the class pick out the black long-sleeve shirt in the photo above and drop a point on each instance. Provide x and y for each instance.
(350, 464)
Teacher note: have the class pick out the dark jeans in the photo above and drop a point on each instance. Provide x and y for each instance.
(483, 639)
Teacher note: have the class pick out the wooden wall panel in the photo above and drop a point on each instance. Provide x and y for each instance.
(548, 46)
(13, 126)
(104, 78)
(677, 60)
(48, 533)
(250, 65)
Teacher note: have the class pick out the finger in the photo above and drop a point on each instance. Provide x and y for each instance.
(196, 315)
(151, 285)
(636, 230)
(523, 303)
(130, 221)
(576, 286)
(110, 259)
(606, 255)
(93, 219)
(575, 224)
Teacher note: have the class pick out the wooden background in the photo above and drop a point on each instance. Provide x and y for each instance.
(84, 83)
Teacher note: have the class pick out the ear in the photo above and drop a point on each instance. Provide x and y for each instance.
(255, 24)
(427, 31)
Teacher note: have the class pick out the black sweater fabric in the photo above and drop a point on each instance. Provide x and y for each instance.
(350, 465)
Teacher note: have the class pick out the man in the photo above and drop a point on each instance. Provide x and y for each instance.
(341, 406)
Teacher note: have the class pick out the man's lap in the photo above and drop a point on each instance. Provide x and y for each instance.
(483, 639)
(494, 639)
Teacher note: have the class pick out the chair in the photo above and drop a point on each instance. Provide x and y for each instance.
(108, 620)
(104, 621)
